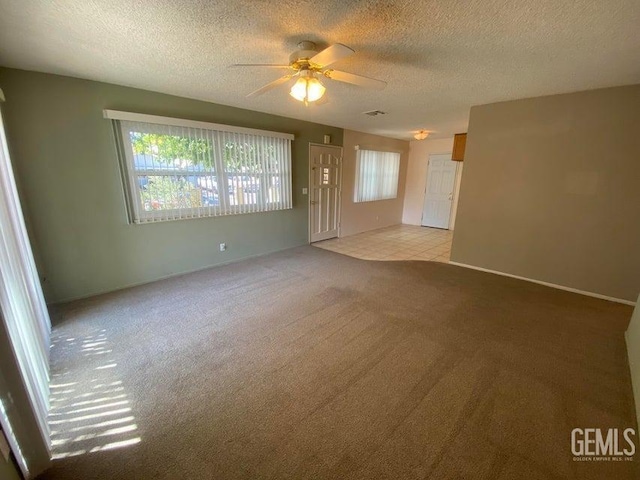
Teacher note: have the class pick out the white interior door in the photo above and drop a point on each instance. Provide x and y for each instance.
(438, 196)
(325, 172)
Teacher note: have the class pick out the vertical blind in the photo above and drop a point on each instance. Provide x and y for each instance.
(180, 171)
(376, 175)
(24, 311)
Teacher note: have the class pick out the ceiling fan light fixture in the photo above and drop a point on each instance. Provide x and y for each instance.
(315, 89)
(308, 65)
(307, 89)
(299, 89)
(421, 135)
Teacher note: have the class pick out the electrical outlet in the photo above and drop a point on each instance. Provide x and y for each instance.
(223, 247)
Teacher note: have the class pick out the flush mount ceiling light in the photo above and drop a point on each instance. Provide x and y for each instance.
(421, 135)
(307, 63)
(307, 88)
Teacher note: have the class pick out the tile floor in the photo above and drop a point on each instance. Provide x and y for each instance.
(399, 242)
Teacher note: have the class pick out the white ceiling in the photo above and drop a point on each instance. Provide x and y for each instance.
(438, 57)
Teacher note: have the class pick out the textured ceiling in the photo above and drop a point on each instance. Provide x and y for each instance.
(438, 57)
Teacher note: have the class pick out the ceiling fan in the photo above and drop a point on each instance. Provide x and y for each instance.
(308, 65)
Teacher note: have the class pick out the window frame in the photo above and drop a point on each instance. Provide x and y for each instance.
(358, 181)
(138, 215)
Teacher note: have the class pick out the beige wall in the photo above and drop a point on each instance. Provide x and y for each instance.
(419, 152)
(551, 191)
(360, 217)
(633, 351)
(456, 196)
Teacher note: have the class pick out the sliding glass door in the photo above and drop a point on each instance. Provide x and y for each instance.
(25, 331)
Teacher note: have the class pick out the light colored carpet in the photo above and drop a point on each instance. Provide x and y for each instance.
(310, 364)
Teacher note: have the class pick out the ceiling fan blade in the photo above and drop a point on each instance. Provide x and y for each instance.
(331, 55)
(270, 86)
(265, 65)
(355, 79)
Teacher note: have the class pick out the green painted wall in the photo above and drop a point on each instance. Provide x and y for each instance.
(7, 470)
(67, 171)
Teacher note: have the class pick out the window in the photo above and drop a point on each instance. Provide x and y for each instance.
(176, 169)
(376, 175)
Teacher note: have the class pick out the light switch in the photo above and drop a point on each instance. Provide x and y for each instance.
(305, 191)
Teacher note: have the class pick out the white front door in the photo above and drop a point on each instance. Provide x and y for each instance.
(325, 169)
(438, 196)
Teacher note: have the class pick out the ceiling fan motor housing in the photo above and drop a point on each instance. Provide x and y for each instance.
(300, 58)
(308, 64)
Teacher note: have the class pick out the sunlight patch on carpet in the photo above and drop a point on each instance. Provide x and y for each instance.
(89, 414)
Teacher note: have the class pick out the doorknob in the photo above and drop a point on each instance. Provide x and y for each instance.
(313, 202)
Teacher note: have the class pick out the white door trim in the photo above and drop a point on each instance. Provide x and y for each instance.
(454, 198)
(309, 184)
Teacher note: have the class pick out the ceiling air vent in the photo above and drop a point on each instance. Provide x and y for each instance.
(375, 113)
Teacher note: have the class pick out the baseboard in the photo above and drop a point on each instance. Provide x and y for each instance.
(171, 275)
(634, 369)
(633, 354)
(341, 234)
(546, 284)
